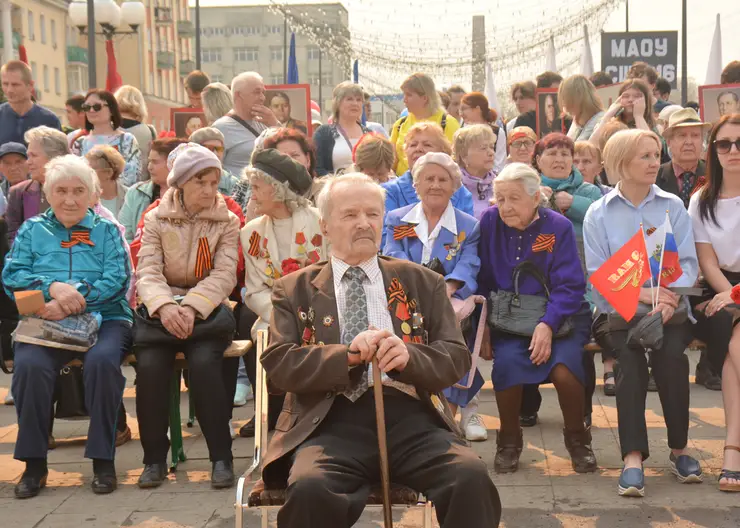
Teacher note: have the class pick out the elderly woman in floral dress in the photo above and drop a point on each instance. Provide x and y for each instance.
(284, 237)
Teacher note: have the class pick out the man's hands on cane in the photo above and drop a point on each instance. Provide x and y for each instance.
(390, 350)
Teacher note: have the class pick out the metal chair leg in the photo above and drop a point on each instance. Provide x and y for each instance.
(176, 445)
(191, 403)
(428, 514)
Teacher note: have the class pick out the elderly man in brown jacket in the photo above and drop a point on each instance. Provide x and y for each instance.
(328, 322)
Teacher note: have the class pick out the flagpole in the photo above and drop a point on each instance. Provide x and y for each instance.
(644, 240)
(662, 252)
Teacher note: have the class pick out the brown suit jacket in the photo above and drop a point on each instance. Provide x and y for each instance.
(666, 178)
(314, 375)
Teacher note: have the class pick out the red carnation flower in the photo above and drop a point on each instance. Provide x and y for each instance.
(735, 294)
(290, 265)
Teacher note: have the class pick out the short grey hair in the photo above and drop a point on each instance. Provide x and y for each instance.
(522, 174)
(323, 201)
(342, 90)
(283, 193)
(217, 101)
(204, 134)
(441, 159)
(53, 142)
(468, 136)
(67, 167)
(239, 82)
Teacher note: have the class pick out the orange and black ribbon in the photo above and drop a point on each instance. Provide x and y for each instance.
(404, 231)
(544, 243)
(78, 237)
(203, 259)
(254, 244)
(396, 292)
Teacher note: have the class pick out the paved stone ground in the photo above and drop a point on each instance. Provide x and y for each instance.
(544, 493)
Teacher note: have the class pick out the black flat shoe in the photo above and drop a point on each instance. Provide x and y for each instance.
(528, 421)
(104, 477)
(222, 475)
(30, 484)
(153, 476)
(247, 430)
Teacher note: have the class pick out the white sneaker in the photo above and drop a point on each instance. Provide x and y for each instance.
(242, 394)
(9, 400)
(475, 429)
(232, 431)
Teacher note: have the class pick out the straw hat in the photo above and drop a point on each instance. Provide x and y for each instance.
(686, 117)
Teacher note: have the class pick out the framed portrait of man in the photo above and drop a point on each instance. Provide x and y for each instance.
(548, 112)
(291, 104)
(184, 121)
(717, 100)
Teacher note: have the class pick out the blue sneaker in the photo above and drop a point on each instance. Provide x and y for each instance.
(632, 482)
(686, 469)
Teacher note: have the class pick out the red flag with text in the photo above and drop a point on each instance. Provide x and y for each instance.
(620, 278)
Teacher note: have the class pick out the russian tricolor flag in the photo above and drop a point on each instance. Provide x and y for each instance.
(663, 251)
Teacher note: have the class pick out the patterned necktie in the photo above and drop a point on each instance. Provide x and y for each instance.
(355, 322)
(687, 185)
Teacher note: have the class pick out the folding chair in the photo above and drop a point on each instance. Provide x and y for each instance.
(267, 499)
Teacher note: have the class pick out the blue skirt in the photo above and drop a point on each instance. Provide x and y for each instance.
(512, 366)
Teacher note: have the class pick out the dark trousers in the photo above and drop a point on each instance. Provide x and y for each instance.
(330, 478)
(36, 370)
(715, 332)
(207, 388)
(670, 368)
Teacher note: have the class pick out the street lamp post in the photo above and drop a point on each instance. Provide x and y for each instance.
(85, 13)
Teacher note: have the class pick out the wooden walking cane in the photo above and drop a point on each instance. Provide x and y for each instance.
(385, 478)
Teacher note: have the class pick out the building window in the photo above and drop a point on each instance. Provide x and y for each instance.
(46, 78)
(273, 30)
(34, 71)
(160, 85)
(276, 54)
(54, 33)
(313, 79)
(217, 78)
(327, 78)
(77, 78)
(314, 54)
(31, 32)
(42, 28)
(57, 82)
(210, 55)
(276, 79)
(246, 54)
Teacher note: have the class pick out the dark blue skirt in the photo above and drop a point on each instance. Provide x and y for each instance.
(456, 395)
(512, 366)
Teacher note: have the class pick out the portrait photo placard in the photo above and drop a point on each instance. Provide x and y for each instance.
(717, 100)
(548, 112)
(184, 121)
(291, 104)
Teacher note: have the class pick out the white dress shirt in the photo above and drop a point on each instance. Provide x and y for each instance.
(416, 216)
(377, 307)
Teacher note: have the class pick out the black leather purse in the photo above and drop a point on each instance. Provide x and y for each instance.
(519, 314)
(70, 394)
(149, 331)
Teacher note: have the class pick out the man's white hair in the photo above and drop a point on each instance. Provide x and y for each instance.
(353, 178)
(68, 167)
(243, 79)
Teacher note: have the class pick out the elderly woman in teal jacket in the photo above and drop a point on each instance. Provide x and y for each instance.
(79, 262)
(562, 182)
(434, 233)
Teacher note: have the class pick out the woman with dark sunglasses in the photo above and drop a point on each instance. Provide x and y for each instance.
(103, 122)
(715, 214)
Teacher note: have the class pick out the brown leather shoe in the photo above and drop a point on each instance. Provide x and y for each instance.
(579, 446)
(508, 450)
(123, 436)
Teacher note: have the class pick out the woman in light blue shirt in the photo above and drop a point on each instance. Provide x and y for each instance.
(633, 157)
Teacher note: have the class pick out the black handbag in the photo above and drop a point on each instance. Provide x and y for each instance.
(149, 331)
(69, 394)
(519, 314)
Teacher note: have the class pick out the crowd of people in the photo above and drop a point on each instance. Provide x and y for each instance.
(354, 242)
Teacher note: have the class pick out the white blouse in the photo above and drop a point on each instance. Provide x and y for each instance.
(725, 237)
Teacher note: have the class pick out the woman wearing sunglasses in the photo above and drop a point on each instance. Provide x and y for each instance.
(212, 139)
(103, 122)
(715, 214)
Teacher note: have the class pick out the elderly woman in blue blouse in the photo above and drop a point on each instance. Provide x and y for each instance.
(632, 157)
(79, 262)
(519, 230)
(432, 232)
